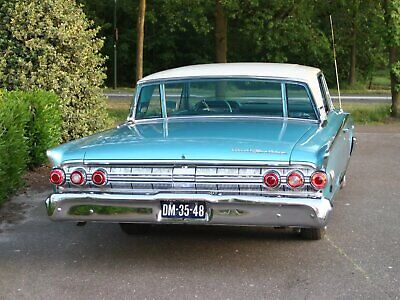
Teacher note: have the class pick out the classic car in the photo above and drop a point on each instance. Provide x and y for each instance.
(245, 144)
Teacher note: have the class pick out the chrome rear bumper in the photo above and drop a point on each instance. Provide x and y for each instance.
(222, 210)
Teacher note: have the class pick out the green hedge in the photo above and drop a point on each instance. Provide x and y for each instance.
(30, 123)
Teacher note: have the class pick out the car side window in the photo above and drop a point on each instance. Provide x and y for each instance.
(174, 94)
(324, 94)
(149, 103)
(299, 102)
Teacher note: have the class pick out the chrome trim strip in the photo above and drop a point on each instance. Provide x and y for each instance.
(284, 101)
(163, 102)
(232, 77)
(153, 178)
(161, 82)
(227, 163)
(225, 117)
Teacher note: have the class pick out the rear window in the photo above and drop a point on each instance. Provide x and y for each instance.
(226, 97)
(299, 102)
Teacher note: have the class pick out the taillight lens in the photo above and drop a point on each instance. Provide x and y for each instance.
(295, 179)
(319, 180)
(78, 177)
(57, 176)
(99, 177)
(271, 179)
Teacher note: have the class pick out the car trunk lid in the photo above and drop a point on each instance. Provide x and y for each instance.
(233, 139)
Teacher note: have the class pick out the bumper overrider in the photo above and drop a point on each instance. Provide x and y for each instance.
(229, 210)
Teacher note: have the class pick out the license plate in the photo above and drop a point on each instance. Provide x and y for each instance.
(183, 210)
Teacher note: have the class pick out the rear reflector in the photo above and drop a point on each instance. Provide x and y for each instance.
(78, 177)
(295, 179)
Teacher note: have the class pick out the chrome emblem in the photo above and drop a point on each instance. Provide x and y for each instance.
(259, 151)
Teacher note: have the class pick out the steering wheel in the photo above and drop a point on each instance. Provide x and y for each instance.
(210, 106)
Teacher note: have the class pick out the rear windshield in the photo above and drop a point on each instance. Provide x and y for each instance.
(232, 97)
(244, 97)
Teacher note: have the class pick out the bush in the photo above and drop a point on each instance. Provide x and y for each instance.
(13, 147)
(30, 123)
(43, 129)
(51, 45)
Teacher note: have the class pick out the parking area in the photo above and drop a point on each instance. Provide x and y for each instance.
(358, 259)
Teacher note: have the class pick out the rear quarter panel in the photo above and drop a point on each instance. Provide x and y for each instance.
(328, 147)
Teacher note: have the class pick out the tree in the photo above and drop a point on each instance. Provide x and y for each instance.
(140, 39)
(50, 44)
(359, 31)
(392, 18)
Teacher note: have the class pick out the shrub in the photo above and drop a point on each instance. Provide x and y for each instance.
(43, 129)
(30, 123)
(51, 45)
(13, 147)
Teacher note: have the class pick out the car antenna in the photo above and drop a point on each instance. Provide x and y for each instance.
(336, 67)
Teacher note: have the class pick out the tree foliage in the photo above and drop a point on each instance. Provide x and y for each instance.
(50, 44)
(181, 32)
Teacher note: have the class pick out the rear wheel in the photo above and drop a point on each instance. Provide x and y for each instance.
(131, 228)
(313, 234)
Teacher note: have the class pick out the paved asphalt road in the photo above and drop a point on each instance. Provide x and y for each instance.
(359, 258)
(345, 98)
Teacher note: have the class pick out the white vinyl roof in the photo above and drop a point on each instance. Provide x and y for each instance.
(270, 70)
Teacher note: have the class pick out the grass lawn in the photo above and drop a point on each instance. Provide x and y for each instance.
(118, 111)
(367, 113)
(119, 90)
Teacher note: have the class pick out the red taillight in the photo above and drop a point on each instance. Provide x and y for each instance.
(57, 176)
(78, 177)
(319, 180)
(295, 179)
(271, 179)
(99, 177)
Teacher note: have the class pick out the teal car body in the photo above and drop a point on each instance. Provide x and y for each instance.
(232, 139)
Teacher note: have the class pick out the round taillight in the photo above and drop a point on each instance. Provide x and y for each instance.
(319, 180)
(99, 177)
(78, 177)
(295, 179)
(271, 179)
(57, 176)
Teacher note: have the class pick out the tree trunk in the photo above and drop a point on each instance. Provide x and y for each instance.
(140, 39)
(221, 37)
(353, 56)
(393, 59)
(221, 33)
(352, 74)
